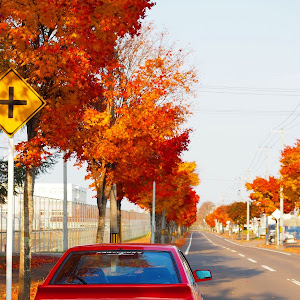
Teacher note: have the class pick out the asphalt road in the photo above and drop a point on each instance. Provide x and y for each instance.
(241, 271)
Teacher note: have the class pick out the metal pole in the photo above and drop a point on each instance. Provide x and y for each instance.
(65, 209)
(277, 232)
(248, 217)
(281, 230)
(113, 215)
(163, 227)
(267, 231)
(153, 216)
(267, 163)
(281, 227)
(10, 207)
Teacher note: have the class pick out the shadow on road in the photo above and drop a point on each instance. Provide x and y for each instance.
(227, 294)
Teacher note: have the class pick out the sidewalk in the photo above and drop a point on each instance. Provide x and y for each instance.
(261, 242)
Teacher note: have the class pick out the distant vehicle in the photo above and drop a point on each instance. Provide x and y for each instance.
(123, 271)
(272, 234)
(235, 229)
(289, 239)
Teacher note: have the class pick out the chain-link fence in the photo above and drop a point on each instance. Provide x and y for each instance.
(47, 234)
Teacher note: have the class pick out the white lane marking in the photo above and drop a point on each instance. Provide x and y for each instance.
(268, 268)
(233, 251)
(189, 246)
(212, 242)
(252, 260)
(260, 248)
(294, 281)
(242, 255)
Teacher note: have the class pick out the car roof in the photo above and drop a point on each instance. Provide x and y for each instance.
(124, 246)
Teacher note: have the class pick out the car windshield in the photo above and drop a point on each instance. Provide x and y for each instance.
(117, 267)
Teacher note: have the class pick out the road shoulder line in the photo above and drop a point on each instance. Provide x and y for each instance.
(189, 246)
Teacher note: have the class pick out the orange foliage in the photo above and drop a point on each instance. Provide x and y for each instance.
(59, 46)
(174, 193)
(266, 195)
(220, 215)
(36, 262)
(130, 132)
(290, 172)
(14, 295)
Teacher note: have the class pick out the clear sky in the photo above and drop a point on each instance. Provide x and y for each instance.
(247, 56)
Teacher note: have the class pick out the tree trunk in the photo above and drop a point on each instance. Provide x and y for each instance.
(103, 191)
(158, 223)
(168, 232)
(27, 220)
(25, 248)
(101, 221)
(172, 231)
(119, 213)
(114, 228)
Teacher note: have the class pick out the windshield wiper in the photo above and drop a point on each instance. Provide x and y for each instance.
(79, 278)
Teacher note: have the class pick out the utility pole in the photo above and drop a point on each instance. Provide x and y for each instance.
(230, 194)
(281, 191)
(248, 207)
(266, 160)
(65, 208)
(266, 177)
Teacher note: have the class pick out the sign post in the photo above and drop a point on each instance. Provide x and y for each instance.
(10, 209)
(19, 102)
(276, 215)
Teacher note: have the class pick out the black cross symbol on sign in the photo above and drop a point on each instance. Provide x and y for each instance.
(11, 102)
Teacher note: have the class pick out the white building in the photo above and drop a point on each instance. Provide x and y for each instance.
(75, 193)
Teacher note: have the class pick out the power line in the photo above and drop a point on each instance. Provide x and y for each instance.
(249, 88)
(267, 143)
(249, 91)
(252, 94)
(287, 117)
(239, 111)
(291, 121)
(293, 126)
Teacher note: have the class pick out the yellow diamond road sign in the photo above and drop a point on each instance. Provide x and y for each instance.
(19, 102)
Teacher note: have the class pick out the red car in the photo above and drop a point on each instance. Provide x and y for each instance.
(123, 271)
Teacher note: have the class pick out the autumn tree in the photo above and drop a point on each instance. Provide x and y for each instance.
(58, 47)
(161, 162)
(174, 195)
(237, 211)
(266, 195)
(204, 210)
(290, 172)
(210, 220)
(219, 215)
(133, 109)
